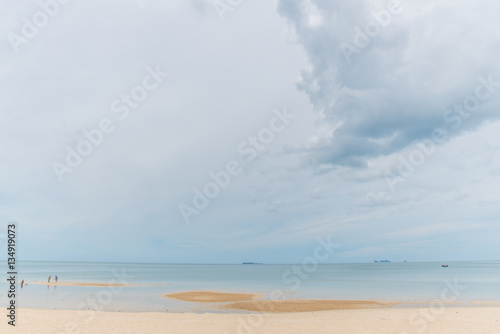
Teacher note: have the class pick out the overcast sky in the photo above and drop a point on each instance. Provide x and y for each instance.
(370, 121)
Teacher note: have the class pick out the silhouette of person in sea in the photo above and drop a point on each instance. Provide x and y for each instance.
(48, 281)
(22, 283)
(56, 278)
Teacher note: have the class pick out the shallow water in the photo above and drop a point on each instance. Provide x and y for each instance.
(423, 281)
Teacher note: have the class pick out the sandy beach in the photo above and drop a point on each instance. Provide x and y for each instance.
(456, 320)
(250, 167)
(258, 316)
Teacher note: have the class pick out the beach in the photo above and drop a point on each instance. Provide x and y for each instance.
(336, 298)
(253, 314)
(456, 320)
(250, 167)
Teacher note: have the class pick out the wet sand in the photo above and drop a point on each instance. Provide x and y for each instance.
(95, 284)
(306, 305)
(247, 302)
(211, 296)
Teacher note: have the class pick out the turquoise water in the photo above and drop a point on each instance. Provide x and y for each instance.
(479, 280)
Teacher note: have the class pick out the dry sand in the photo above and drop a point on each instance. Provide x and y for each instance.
(211, 296)
(298, 305)
(453, 320)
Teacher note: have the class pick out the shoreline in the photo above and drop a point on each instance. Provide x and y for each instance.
(374, 321)
(224, 302)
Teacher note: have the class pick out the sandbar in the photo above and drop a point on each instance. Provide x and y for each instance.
(307, 305)
(211, 296)
(78, 284)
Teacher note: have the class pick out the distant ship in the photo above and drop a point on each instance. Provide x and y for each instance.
(382, 261)
(444, 265)
(251, 263)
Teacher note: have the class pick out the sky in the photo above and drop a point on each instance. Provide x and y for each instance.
(227, 131)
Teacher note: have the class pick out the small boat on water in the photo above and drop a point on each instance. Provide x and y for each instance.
(444, 265)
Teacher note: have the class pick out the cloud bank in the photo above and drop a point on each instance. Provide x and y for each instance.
(383, 74)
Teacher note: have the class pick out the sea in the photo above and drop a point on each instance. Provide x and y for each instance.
(466, 283)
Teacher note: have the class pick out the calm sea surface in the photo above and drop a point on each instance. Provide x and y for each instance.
(477, 281)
